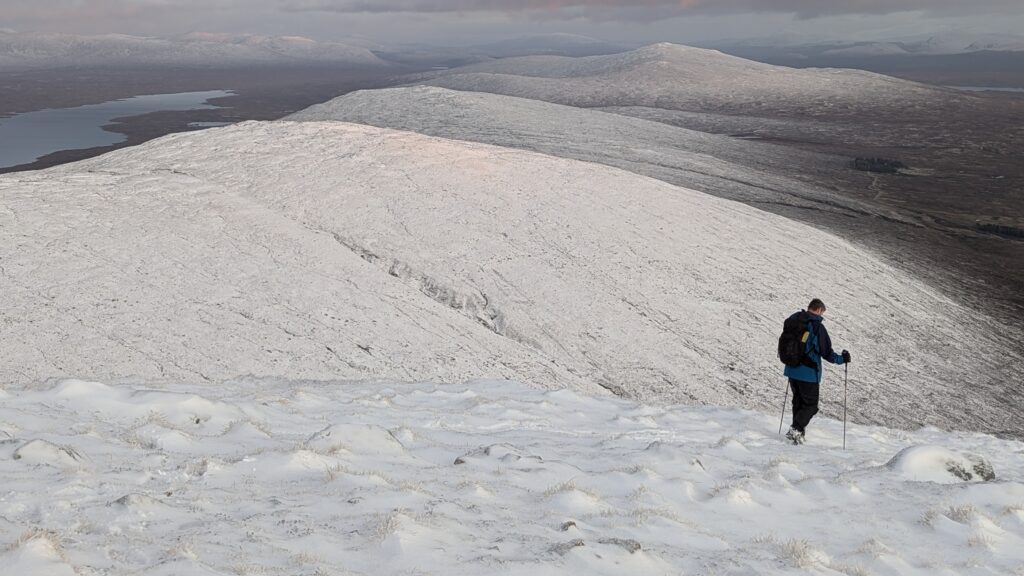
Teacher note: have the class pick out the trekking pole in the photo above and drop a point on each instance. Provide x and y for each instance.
(784, 398)
(845, 382)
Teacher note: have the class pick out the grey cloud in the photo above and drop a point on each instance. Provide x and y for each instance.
(475, 21)
(125, 16)
(645, 9)
(77, 13)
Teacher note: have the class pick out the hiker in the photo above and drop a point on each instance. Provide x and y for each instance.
(805, 376)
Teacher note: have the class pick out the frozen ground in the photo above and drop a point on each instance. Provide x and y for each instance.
(310, 478)
(327, 250)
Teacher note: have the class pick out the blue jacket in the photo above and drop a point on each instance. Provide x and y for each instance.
(819, 346)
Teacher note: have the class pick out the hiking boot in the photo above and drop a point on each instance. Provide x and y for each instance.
(795, 436)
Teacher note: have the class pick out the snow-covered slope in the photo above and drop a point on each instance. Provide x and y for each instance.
(65, 50)
(733, 168)
(331, 250)
(683, 78)
(268, 477)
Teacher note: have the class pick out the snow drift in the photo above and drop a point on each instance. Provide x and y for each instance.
(279, 477)
(329, 250)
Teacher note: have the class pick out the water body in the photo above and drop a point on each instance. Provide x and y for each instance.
(24, 138)
(987, 89)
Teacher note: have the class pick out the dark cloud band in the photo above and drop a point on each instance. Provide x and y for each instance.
(625, 10)
(645, 8)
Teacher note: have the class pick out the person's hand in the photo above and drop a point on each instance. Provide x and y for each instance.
(846, 357)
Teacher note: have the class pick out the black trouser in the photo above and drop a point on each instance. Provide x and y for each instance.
(805, 402)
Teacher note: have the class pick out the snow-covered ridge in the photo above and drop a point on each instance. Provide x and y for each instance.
(259, 476)
(198, 49)
(330, 250)
(732, 168)
(681, 77)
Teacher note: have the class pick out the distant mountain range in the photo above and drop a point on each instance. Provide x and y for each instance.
(947, 59)
(192, 50)
(927, 44)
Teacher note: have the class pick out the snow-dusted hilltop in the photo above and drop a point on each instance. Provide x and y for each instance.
(198, 49)
(679, 77)
(331, 250)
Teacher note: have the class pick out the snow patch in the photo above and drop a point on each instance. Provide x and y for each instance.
(939, 464)
(37, 553)
(43, 452)
(355, 439)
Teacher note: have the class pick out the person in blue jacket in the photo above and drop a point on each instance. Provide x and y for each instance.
(805, 379)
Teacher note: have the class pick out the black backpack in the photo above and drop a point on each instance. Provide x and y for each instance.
(793, 341)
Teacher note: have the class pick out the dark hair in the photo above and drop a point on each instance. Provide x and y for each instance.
(816, 305)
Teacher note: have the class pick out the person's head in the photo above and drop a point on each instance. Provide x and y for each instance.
(816, 307)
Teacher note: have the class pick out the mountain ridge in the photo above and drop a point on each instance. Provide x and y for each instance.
(434, 259)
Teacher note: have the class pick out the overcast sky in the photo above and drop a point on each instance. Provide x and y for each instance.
(460, 21)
